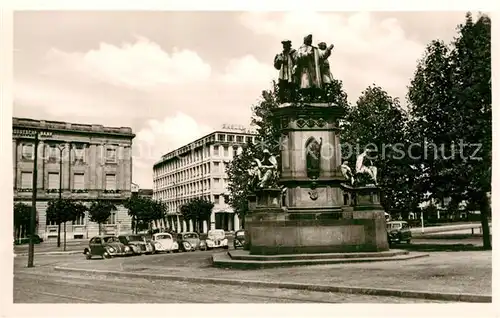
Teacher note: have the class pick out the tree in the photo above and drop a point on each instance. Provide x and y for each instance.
(197, 210)
(452, 87)
(22, 217)
(61, 211)
(100, 211)
(379, 123)
(144, 211)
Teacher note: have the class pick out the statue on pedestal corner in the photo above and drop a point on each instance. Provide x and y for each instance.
(264, 172)
(285, 62)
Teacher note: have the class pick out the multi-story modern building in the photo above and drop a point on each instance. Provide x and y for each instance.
(91, 161)
(198, 170)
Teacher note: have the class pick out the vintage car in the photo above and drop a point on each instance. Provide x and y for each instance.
(188, 241)
(137, 243)
(398, 231)
(106, 247)
(203, 242)
(216, 239)
(239, 239)
(164, 242)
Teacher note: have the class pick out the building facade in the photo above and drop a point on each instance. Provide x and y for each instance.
(92, 161)
(198, 170)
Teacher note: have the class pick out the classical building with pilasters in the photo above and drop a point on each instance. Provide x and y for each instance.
(198, 170)
(92, 161)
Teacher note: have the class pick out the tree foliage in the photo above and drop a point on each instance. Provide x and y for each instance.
(378, 122)
(197, 210)
(450, 104)
(100, 211)
(22, 217)
(144, 211)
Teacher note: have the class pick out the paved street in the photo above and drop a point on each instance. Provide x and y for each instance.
(44, 285)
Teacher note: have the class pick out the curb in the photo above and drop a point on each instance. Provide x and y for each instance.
(299, 286)
(50, 253)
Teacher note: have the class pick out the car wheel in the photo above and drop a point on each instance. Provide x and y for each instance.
(88, 255)
(106, 255)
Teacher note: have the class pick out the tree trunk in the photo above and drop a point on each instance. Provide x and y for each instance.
(59, 235)
(99, 226)
(484, 206)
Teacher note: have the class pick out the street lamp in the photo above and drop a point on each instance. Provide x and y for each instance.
(61, 148)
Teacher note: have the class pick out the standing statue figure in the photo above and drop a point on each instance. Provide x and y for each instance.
(370, 169)
(325, 53)
(266, 170)
(284, 62)
(308, 67)
(313, 157)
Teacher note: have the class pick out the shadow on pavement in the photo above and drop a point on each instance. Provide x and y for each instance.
(438, 247)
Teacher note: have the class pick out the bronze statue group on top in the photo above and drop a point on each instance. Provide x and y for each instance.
(304, 74)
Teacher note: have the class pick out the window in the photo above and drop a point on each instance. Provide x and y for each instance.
(230, 138)
(216, 150)
(216, 166)
(216, 199)
(249, 140)
(53, 180)
(80, 220)
(112, 218)
(226, 151)
(226, 198)
(28, 152)
(53, 153)
(79, 181)
(239, 138)
(235, 152)
(79, 152)
(26, 180)
(110, 182)
(110, 155)
(216, 181)
(222, 137)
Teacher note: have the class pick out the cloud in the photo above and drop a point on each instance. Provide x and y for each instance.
(160, 137)
(366, 51)
(142, 64)
(248, 70)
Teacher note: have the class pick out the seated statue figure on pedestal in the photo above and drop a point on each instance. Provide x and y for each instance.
(265, 171)
(362, 168)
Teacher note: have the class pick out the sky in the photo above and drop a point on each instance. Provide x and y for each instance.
(176, 76)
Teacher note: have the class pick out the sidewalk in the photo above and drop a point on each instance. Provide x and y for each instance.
(51, 247)
(462, 273)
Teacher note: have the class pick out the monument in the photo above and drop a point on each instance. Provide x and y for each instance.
(327, 213)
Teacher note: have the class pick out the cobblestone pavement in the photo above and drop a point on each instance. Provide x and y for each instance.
(43, 285)
(447, 272)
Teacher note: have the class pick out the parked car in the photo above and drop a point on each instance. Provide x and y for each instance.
(164, 242)
(26, 240)
(137, 243)
(398, 231)
(239, 239)
(203, 242)
(216, 239)
(188, 241)
(106, 247)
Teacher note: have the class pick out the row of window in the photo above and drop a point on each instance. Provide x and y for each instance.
(54, 181)
(192, 188)
(196, 155)
(217, 200)
(53, 153)
(218, 167)
(82, 220)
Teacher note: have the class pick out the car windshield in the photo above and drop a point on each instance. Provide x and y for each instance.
(216, 234)
(123, 239)
(163, 237)
(190, 236)
(111, 239)
(135, 238)
(240, 234)
(394, 226)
